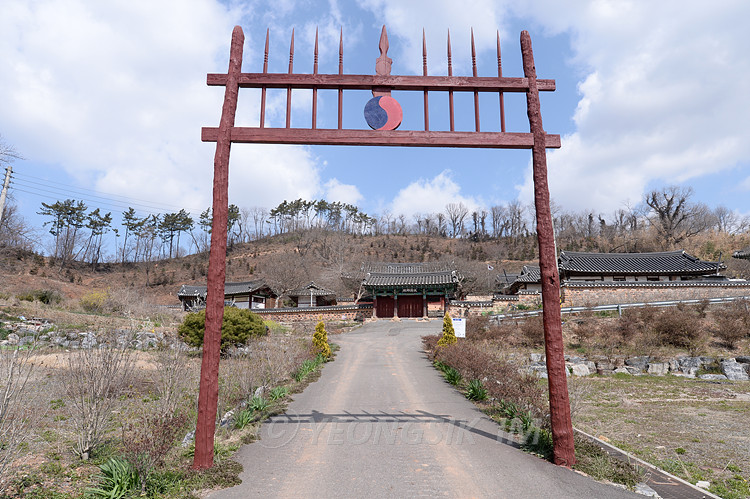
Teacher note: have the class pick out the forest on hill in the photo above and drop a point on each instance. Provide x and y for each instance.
(327, 242)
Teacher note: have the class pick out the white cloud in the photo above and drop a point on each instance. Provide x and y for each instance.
(344, 193)
(430, 196)
(664, 100)
(115, 93)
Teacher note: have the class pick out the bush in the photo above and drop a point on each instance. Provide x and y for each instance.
(94, 301)
(532, 330)
(117, 479)
(237, 327)
(449, 335)
(320, 341)
(732, 323)
(475, 390)
(680, 327)
(46, 296)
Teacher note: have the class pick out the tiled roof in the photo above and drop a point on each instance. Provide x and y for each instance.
(313, 289)
(529, 273)
(666, 262)
(230, 288)
(743, 253)
(409, 274)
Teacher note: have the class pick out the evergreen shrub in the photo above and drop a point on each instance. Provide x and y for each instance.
(237, 327)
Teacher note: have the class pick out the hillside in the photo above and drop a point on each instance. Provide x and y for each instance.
(293, 259)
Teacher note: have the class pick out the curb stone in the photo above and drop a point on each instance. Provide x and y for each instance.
(666, 485)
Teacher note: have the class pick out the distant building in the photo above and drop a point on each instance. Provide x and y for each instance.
(251, 294)
(743, 254)
(664, 266)
(313, 295)
(410, 289)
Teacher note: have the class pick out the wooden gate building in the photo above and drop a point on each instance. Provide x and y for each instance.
(410, 289)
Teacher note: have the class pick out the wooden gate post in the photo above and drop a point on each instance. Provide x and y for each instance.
(559, 405)
(208, 394)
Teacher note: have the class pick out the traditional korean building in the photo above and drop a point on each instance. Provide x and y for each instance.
(410, 289)
(579, 267)
(743, 254)
(251, 294)
(313, 295)
(631, 267)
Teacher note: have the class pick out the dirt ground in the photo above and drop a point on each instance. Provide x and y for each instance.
(696, 429)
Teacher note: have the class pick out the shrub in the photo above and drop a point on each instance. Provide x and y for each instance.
(237, 327)
(532, 330)
(320, 341)
(94, 301)
(278, 392)
(449, 335)
(732, 323)
(148, 440)
(680, 327)
(452, 376)
(258, 404)
(117, 479)
(475, 390)
(46, 296)
(244, 418)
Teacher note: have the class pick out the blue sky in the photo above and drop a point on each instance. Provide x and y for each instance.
(105, 100)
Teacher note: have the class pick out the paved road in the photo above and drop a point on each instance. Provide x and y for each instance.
(381, 422)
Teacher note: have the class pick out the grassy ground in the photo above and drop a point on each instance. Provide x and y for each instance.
(694, 429)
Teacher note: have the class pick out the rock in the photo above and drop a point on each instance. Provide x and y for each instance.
(712, 376)
(88, 340)
(535, 357)
(591, 366)
(645, 490)
(688, 362)
(658, 368)
(633, 370)
(638, 362)
(604, 365)
(188, 438)
(25, 340)
(703, 484)
(580, 370)
(621, 370)
(13, 339)
(674, 366)
(734, 370)
(743, 359)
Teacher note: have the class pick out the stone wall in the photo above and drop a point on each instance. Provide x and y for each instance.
(590, 294)
(311, 314)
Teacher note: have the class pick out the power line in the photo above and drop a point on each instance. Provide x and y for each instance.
(100, 201)
(74, 189)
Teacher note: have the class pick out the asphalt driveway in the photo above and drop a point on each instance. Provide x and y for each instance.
(381, 422)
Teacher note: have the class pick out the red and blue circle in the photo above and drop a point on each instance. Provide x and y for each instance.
(383, 113)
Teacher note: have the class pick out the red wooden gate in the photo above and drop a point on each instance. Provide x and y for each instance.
(410, 306)
(384, 133)
(385, 306)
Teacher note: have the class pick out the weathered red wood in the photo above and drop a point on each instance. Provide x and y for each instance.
(500, 75)
(424, 73)
(289, 88)
(562, 427)
(415, 138)
(341, 74)
(450, 92)
(315, 90)
(209, 384)
(263, 89)
(395, 82)
(474, 73)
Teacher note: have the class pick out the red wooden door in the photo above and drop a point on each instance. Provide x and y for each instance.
(385, 306)
(410, 306)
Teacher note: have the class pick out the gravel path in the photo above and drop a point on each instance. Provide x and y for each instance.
(381, 422)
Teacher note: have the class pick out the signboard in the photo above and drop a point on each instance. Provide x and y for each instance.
(459, 327)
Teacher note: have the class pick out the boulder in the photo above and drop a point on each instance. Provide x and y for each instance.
(638, 362)
(580, 370)
(674, 366)
(713, 377)
(658, 368)
(734, 370)
(621, 370)
(743, 359)
(13, 339)
(535, 357)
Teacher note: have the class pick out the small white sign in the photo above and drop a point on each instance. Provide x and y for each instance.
(459, 327)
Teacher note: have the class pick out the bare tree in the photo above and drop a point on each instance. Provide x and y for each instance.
(674, 217)
(457, 213)
(94, 380)
(730, 222)
(15, 411)
(284, 272)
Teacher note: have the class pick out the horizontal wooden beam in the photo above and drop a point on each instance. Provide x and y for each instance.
(367, 82)
(406, 138)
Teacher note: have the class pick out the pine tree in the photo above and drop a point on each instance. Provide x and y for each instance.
(320, 341)
(449, 335)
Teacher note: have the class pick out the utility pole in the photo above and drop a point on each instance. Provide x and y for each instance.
(4, 192)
